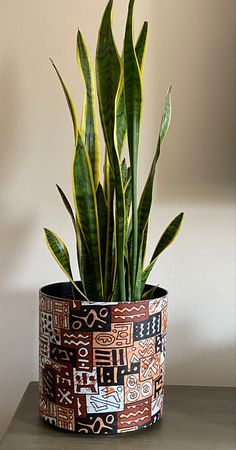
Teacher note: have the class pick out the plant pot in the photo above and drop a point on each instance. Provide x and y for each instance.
(102, 365)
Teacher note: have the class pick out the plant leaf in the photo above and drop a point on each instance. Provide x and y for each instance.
(128, 198)
(114, 297)
(128, 226)
(120, 111)
(124, 172)
(140, 48)
(166, 239)
(138, 285)
(150, 293)
(120, 220)
(69, 102)
(82, 250)
(60, 253)
(89, 127)
(146, 198)
(127, 278)
(102, 217)
(68, 206)
(168, 236)
(86, 268)
(108, 69)
(109, 191)
(133, 105)
(86, 211)
(166, 118)
(145, 236)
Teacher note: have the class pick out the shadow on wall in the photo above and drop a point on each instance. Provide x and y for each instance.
(199, 153)
(200, 364)
(203, 364)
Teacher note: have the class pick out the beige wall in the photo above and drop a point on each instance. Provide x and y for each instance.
(192, 46)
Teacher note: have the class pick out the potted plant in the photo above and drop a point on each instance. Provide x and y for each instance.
(102, 340)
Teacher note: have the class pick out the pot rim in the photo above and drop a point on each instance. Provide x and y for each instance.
(45, 292)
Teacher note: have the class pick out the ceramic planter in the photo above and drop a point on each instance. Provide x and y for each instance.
(102, 365)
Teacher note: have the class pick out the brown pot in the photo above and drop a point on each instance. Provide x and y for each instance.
(102, 365)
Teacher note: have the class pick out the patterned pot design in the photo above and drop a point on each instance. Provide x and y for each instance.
(102, 365)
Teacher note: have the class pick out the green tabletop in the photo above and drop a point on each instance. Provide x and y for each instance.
(195, 418)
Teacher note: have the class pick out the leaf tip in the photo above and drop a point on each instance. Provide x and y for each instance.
(46, 231)
(53, 64)
(109, 5)
(180, 218)
(59, 189)
(131, 5)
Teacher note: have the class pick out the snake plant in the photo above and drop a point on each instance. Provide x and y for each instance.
(110, 224)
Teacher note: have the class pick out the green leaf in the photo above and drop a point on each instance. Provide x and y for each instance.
(166, 118)
(109, 192)
(114, 297)
(141, 45)
(87, 213)
(108, 69)
(102, 217)
(148, 295)
(168, 236)
(145, 236)
(127, 278)
(124, 172)
(166, 239)
(146, 198)
(86, 268)
(120, 111)
(133, 89)
(128, 225)
(89, 127)
(128, 198)
(68, 206)
(60, 253)
(83, 258)
(69, 102)
(138, 285)
(120, 220)
(133, 104)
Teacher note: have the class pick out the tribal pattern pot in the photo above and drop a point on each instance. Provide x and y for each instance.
(102, 365)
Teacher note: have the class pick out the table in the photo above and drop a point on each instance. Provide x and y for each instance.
(195, 418)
